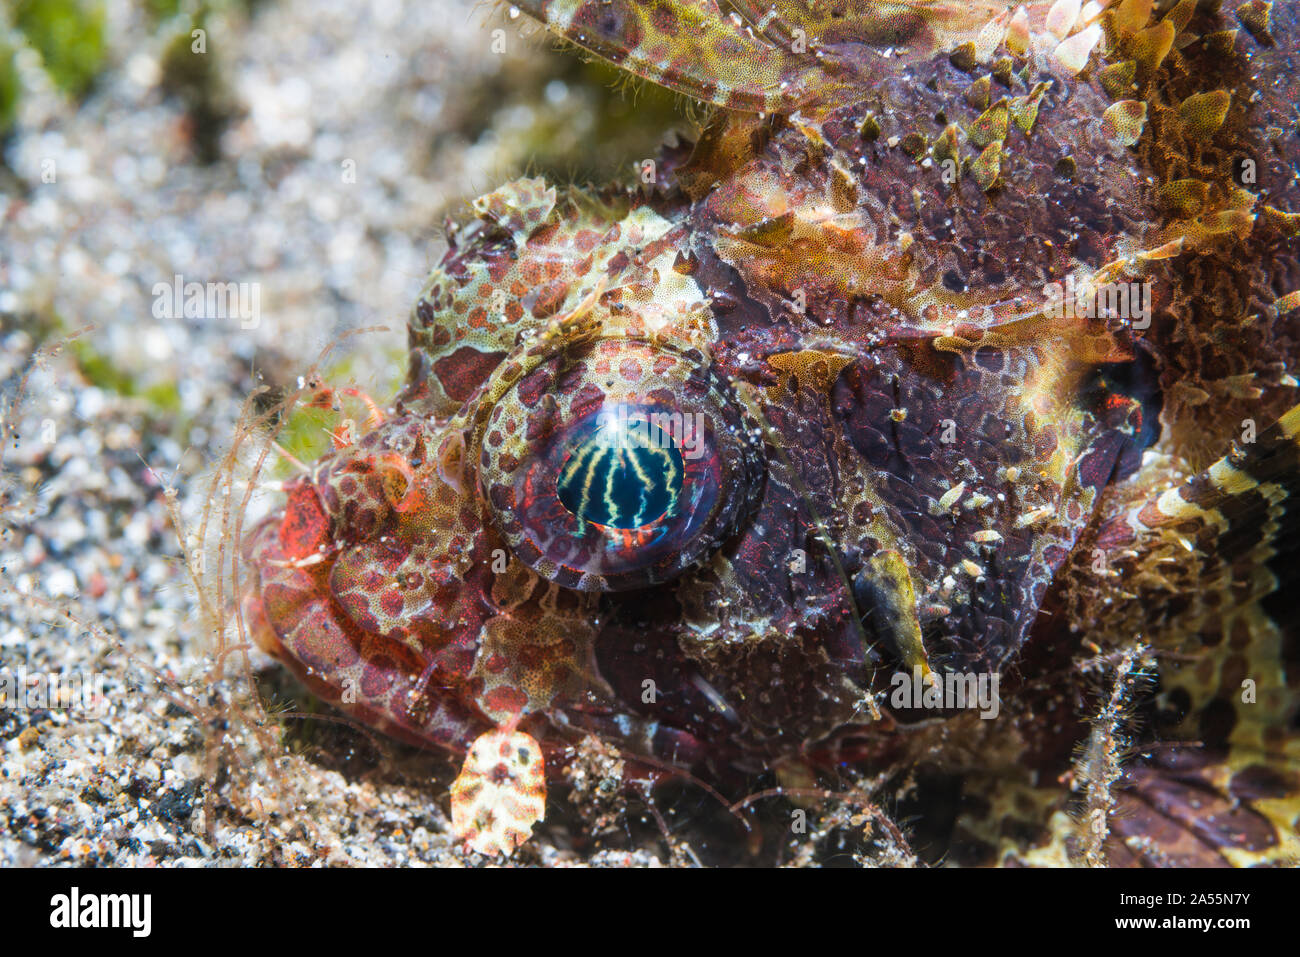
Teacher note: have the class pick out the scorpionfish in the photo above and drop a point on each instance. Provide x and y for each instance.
(927, 422)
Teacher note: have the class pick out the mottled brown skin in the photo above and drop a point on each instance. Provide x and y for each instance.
(918, 463)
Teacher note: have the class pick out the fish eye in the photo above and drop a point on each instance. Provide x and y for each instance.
(629, 473)
(620, 469)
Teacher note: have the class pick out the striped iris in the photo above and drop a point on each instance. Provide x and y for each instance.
(625, 475)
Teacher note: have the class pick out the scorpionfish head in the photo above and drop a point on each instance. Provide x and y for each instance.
(630, 489)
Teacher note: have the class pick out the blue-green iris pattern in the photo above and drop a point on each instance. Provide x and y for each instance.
(623, 480)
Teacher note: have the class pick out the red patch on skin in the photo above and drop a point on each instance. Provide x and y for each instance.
(320, 643)
(549, 298)
(630, 369)
(392, 602)
(1151, 516)
(1097, 465)
(465, 370)
(498, 267)
(505, 699)
(456, 661)
(305, 526)
(377, 676)
(542, 424)
(1115, 533)
(588, 399)
(613, 24)
(544, 235)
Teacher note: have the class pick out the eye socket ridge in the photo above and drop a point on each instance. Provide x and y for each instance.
(620, 468)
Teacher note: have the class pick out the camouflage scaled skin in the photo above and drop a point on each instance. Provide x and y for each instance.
(912, 460)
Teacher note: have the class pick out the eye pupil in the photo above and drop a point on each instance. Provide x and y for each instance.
(622, 478)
